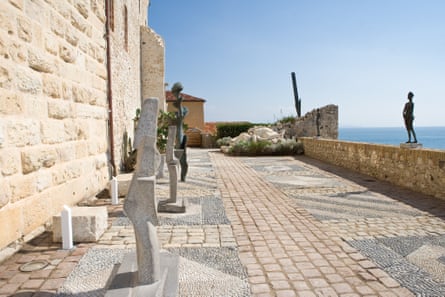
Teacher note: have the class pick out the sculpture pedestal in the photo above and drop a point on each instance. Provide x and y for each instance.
(125, 282)
(411, 145)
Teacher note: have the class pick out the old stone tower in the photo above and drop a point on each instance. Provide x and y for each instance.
(70, 84)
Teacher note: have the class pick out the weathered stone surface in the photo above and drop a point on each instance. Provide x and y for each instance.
(140, 203)
(71, 36)
(67, 53)
(58, 25)
(5, 78)
(10, 103)
(28, 82)
(39, 62)
(5, 193)
(17, 3)
(18, 52)
(23, 186)
(66, 172)
(58, 109)
(51, 44)
(52, 86)
(46, 48)
(36, 158)
(9, 161)
(24, 30)
(89, 223)
(52, 131)
(25, 132)
(82, 7)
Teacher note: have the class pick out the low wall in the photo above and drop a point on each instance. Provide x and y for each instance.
(420, 170)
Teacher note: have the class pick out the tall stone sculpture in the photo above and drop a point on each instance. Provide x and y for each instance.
(156, 273)
(181, 139)
(140, 203)
(170, 205)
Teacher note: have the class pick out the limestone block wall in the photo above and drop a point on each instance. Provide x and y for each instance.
(307, 125)
(153, 66)
(421, 170)
(53, 110)
(125, 77)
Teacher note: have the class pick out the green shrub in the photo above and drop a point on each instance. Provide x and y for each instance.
(287, 119)
(232, 129)
(225, 141)
(265, 147)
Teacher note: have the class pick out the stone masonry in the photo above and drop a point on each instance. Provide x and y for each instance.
(420, 170)
(54, 108)
(307, 125)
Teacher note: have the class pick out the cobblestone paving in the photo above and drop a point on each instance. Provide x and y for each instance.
(402, 232)
(275, 226)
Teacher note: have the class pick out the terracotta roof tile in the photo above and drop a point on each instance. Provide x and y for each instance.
(187, 98)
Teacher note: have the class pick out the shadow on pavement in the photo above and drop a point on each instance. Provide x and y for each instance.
(430, 204)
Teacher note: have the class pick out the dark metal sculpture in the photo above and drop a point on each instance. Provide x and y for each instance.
(408, 116)
(297, 100)
(181, 139)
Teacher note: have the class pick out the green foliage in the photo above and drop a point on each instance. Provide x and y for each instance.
(266, 147)
(225, 141)
(232, 129)
(287, 119)
(128, 154)
(165, 119)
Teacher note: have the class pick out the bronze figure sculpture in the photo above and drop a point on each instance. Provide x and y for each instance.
(408, 116)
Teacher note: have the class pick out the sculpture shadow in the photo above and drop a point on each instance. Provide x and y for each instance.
(427, 203)
(51, 294)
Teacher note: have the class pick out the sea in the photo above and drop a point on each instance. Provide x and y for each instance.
(429, 137)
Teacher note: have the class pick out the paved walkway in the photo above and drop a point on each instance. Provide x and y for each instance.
(274, 226)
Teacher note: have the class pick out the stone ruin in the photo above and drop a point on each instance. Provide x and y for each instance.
(319, 122)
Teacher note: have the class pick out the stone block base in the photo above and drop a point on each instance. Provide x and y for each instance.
(411, 145)
(124, 283)
(89, 223)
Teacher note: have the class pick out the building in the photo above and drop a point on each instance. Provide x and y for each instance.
(195, 106)
(70, 84)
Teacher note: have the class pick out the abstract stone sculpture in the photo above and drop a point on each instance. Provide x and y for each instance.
(156, 273)
(170, 205)
(140, 203)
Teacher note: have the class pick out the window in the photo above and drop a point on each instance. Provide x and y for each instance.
(111, 14)
(126, 27)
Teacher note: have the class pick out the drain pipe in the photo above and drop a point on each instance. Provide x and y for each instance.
(109, 90)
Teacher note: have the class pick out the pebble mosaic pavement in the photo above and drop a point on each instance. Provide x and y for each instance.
(400, 231)
(269, 226)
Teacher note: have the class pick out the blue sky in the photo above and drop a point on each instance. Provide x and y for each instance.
(363, 55)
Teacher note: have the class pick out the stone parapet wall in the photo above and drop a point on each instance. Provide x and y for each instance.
(421, 170)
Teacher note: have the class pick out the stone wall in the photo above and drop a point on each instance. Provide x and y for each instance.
(153, 66)
(328, 123)
(54, 136)
(421, 170)
(306, 126)
(125, 45)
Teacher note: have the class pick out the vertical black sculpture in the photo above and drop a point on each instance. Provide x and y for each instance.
(297, 100)
(181, 139)
(318, 122)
